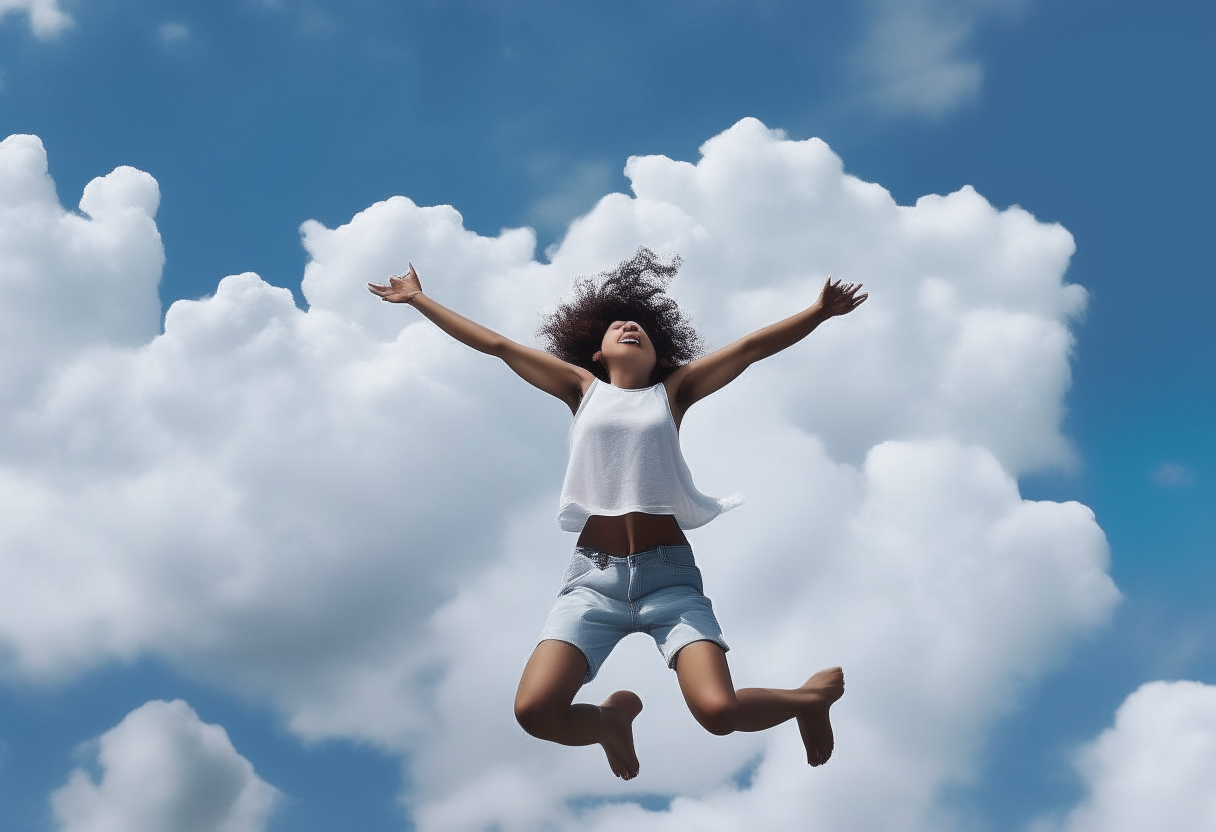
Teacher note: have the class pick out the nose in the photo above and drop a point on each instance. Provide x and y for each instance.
(631, 326)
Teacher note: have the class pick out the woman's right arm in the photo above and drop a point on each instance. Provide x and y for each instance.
(540, 369)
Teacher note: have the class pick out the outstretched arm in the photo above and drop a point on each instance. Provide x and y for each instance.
(710, 373)
(540, 369)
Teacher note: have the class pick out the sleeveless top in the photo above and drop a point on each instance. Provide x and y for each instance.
(625, 456)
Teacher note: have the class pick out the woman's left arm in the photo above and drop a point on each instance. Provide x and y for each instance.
(710, 373)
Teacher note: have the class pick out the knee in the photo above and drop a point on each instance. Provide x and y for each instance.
(717, 715)
(537, 718)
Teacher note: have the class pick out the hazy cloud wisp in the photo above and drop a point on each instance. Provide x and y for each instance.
(45, 17)
(913, 60)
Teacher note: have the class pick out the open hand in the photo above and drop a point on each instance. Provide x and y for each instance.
(400, 289)
(840, 298)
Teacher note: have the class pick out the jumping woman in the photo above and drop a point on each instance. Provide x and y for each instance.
(623, 358)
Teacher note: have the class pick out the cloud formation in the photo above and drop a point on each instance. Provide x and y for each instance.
(45, 16)
(1153, 768)
(71, 280)
(914, 59)
(1172, 475)
(346, 513)
(173, 32)
(163, 768)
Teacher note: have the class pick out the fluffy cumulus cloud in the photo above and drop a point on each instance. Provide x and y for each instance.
(70, 280)
(1153, 768)
(45, 17)
(163, 768)
(913, 59)
(343, 511)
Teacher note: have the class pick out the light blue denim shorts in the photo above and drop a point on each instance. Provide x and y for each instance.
(658, 592)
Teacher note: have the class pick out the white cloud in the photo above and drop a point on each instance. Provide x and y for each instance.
(69, 280)
(1172, 475)
(578, 187)
(162, 768)
(45, 16)
(349, 514)
(913, 59)
(173, 32)
(1153, 768)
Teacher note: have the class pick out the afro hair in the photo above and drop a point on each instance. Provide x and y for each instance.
(636, 290)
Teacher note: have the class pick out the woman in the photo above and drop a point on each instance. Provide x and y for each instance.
(623, 359)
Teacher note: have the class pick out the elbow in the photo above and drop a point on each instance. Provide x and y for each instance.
(497, 346)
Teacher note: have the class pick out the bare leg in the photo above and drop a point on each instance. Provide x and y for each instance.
(711, 696)
(543, 707)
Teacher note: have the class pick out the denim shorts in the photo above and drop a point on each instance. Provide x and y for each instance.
(658, 592)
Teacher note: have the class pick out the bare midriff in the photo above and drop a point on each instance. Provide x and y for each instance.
(628, 534)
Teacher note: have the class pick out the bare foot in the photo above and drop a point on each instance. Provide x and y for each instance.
(619, 709)
(826, 686)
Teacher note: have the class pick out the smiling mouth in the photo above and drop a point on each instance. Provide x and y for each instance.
(629, 340)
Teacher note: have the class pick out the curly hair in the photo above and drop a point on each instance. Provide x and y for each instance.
(636, 290)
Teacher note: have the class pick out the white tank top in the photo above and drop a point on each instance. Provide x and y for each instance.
(625, 456)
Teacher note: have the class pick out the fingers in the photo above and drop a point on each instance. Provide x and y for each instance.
(385, 288)
(400, 287)
(840, 298)
(840, 286)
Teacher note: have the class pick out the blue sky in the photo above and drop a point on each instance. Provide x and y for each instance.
(254, 117)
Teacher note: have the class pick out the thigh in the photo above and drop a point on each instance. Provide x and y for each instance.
(705, 678)
(678, 616)
(552, 676)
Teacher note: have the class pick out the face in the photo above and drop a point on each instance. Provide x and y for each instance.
(626, 345)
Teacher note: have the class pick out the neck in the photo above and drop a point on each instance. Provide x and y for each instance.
(628, 380)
